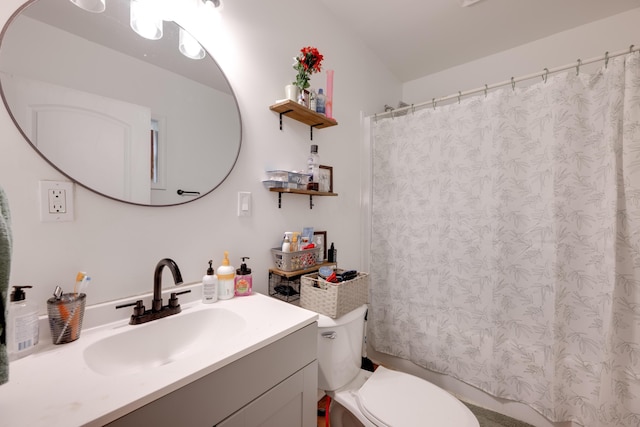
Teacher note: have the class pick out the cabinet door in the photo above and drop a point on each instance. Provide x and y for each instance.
(286, 404)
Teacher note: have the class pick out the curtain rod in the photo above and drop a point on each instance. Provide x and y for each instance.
(544, 74)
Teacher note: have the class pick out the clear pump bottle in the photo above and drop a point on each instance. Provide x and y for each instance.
(23, 329)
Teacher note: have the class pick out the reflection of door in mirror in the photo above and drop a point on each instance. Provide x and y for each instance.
(86, 135)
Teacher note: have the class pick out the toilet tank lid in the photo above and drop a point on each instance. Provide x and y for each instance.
(328, 322)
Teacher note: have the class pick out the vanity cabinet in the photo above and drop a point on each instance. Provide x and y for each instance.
(273, 386)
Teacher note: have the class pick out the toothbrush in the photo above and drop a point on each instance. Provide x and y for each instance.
(75, 319)
(79, 278)
(84, 283)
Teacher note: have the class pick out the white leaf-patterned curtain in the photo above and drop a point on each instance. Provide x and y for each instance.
(505, 245)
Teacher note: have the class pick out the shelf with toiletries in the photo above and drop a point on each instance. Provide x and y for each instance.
(285, 285)
(302, 114)
(310, 193)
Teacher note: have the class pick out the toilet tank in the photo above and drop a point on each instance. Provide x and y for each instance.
(340, 348)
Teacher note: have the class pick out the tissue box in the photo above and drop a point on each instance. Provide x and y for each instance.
(283, 184)
(286, 176)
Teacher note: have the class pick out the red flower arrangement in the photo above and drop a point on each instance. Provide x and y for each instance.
(309, 61)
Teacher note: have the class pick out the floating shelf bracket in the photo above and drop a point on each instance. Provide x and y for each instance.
(311, 129)
(280, 201)
(283, 114)
(309, 193)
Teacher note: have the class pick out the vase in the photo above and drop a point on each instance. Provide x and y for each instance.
(292, 92)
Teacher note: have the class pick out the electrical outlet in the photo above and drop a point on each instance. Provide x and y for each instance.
(56, 201)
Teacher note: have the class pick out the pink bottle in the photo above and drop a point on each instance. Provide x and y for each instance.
(328, 108)
(243, 282)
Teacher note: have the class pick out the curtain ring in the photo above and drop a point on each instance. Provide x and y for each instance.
(486, 89)
(413, 109)
(459, 96)
(545, 75)
(433, 101)
(375, 117)
(606, 59)
(578, 67)
(392, 116)
(631, 48)
(513, 84)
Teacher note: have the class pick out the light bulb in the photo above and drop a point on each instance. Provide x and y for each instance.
(189, 46)
(95, 6)
(145, 19)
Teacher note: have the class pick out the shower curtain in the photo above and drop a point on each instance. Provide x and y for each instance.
(505, 243)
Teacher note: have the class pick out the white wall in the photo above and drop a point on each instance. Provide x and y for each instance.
(119, 244)
(588, 41)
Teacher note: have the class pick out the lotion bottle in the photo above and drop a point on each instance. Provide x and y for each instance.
(22, 322)
(210, 286)
(243, 280)
(286, 243)
(226, 276)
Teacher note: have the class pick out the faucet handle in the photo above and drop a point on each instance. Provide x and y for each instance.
(138, 310)
(173, 300)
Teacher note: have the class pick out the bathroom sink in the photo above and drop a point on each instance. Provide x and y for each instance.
(141, 347)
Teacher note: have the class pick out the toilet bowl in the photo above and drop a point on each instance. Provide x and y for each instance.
(382, 398)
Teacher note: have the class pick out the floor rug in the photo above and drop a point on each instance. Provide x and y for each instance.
(489, 418)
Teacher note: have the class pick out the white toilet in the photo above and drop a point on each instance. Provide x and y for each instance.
(383, 398)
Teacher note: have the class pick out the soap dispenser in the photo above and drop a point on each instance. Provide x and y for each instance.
(244, 281)
(226, 276)
(23, 329)
(210, 286)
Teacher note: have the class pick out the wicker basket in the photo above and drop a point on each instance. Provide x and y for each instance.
(333, 299)
(293, 261)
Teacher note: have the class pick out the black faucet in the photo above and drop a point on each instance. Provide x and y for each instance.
(156, 304)
(158, 311)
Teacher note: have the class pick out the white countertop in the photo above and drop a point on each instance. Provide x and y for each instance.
(55, 387)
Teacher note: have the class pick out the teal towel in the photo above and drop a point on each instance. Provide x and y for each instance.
(5, 269)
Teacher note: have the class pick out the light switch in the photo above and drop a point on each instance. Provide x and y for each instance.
(244, 203)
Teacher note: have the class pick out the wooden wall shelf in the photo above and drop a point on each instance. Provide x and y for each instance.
(302, 114)
(309, 193)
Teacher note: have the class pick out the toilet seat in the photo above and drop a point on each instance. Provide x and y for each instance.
(391, 398)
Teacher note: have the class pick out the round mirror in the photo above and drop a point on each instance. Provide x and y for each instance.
(148, 122)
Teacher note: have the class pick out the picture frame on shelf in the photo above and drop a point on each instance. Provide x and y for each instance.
(320, 239)
(325, 180)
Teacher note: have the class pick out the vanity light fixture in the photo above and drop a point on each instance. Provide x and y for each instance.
(145, 19)
(95, 6)
(189, 46)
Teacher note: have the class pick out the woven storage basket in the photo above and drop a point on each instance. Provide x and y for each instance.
(333, 299)
(293, 261)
